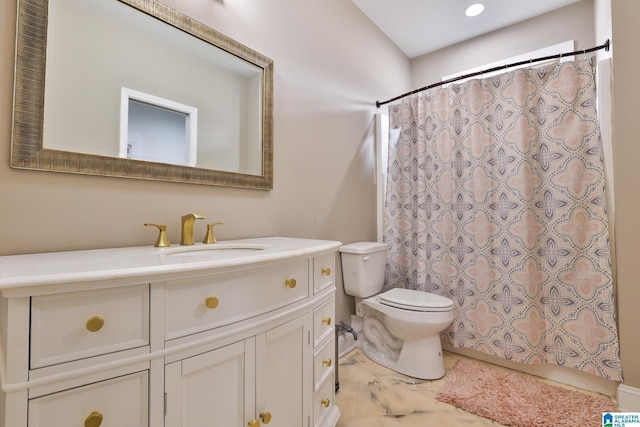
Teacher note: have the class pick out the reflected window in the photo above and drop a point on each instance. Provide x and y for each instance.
(157, 130)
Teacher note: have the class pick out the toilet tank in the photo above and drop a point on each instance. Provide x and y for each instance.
(363, 265)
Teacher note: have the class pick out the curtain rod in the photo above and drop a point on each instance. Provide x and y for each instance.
(604, 46)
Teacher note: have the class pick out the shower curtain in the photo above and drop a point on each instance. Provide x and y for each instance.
(495, 198)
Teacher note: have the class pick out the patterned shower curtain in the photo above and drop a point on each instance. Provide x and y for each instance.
(496, 199)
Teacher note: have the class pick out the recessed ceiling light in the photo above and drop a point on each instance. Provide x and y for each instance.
(475, 9)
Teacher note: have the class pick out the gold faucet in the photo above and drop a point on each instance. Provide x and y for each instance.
(187, 228)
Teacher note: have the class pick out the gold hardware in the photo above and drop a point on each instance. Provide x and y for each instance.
(326, 321)
(291, 283)
(325, 402)
(94, 324)
(326, 271)
(253, 423)
(187, 228)
(265, 417)
(162, 241)
(93, 420)
(326, 362)
(210, 237)
(211, 302)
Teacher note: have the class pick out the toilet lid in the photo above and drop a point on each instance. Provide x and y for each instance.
(409, 299)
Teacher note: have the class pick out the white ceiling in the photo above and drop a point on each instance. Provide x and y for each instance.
(421, 26)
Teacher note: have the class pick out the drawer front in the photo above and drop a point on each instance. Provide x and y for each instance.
(119, 402)
(77, 325)
(324, 268)
(323, 363)
(323, 318)
(323, 400)
(195, 305)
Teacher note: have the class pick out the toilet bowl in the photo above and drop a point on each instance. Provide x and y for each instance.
(401, 327)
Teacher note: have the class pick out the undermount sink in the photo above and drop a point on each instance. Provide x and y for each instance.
(215, 248)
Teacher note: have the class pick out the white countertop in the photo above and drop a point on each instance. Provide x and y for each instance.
(66, 268)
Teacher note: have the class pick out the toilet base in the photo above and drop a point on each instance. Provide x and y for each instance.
(421, 358)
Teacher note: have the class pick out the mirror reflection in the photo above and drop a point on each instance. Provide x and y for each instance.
(124, 86)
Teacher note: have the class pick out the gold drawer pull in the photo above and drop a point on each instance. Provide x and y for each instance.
(94, 324)
(253, 423)
(265, 417)
(291, 283)
(93, 420)
(325, 402)
(326, 362)
(326, 321)
(211, 302)
(326, 271)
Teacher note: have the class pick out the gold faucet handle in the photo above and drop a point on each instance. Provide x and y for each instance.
(210, 237)
(162, 241)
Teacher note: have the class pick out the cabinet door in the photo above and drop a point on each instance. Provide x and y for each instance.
(282, 382)
(208, 389)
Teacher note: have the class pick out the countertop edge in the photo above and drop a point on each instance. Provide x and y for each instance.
(22, 285)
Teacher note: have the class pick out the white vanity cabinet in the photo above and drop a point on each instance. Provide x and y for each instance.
(142, 337)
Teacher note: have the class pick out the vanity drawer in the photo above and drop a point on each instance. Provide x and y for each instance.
(324, 267)
(323, 318)
(323, 362)
(195, 305)
(122, 401)
(323, 400)
(72, 326)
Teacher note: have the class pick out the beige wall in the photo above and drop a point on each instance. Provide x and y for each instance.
(331, 65)
(626, 153)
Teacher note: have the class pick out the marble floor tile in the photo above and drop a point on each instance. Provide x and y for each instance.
(373, 396)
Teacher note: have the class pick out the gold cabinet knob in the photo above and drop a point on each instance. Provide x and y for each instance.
(291, 283)
(253, 423)
(325, 402)
(94, 324)
(326, 271)
(265, 417)
(326, 362)
(211, 302)
(326, 321)
(93, 420)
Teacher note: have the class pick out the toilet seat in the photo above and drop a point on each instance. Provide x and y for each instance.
(409, 299)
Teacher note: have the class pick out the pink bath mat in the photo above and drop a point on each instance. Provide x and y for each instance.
(518, 400)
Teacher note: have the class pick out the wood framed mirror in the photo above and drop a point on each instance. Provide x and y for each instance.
(75, 58)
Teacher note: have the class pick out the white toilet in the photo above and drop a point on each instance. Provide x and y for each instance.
(401, 327)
